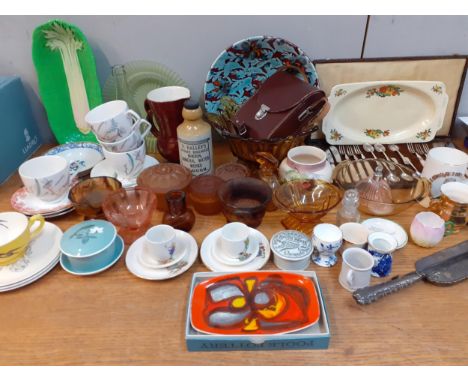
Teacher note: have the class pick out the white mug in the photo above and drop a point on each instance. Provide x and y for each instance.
(235, 239)
(131, 142)
(47, 177)
(127, 165)
(160, 243)
(112, 121)
(444, 164)
(356, 269)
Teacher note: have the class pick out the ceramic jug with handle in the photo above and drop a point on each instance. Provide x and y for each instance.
(164, 106)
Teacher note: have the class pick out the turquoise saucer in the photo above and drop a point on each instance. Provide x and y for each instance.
(87, 269)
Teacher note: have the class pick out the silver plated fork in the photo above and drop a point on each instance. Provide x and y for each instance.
(351, 153)
(413, 150)
(367, 166)
(342, 151)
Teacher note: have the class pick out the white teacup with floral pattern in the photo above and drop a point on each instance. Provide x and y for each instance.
(46, 177)
(112, 121)
(234, 240)
(160, 243)
(127, 165)
(131, 142)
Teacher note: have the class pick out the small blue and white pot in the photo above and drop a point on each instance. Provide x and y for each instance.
(327, 239)
(381, 246)
(89, 244)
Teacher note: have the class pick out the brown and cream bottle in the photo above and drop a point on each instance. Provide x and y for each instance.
(194, 139)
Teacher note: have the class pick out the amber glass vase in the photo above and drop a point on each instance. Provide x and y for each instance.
(178, 216)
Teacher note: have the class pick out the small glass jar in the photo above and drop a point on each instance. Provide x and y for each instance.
(178, 216)
(348, 213)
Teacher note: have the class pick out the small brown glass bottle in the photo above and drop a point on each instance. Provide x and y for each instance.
(179, 216)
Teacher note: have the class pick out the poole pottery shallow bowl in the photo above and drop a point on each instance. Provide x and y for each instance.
(89, 244)
(254, 303)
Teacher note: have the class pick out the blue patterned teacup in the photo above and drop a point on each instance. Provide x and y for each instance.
(327, 239)
(381, 246)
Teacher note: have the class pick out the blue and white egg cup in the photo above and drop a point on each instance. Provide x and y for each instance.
(327, 240)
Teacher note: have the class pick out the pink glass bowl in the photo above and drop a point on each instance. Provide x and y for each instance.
(130, 210)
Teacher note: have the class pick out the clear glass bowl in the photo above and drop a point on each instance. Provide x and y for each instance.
(406, 187)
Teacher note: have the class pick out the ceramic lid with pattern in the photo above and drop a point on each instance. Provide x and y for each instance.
(291, 245)
(88, 238)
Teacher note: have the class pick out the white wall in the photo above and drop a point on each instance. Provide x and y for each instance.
(189, 44)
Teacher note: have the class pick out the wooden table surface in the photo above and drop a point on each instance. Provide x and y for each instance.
(117, 318)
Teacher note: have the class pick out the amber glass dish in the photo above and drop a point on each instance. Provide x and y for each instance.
(130, 210)
(245, 200)
(203, 191)
(87, 196)
(306, 202)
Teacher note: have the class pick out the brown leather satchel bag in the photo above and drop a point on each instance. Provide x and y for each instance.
(284, 105)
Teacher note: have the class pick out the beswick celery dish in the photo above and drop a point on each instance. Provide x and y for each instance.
(221, 263)
(385, 112)
(170, 270)
(105, 168)
(81, 156)
(256, 303)
(41, 255)
(88, 268)
(28, 204)
(89, 244)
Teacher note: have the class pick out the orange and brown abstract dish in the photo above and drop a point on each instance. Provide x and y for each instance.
(254, 303)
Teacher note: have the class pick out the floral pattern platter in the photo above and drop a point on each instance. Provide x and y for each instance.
(240, 70)
(385, 112)
(41, 256)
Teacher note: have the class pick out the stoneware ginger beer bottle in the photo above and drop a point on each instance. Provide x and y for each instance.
(194, 139)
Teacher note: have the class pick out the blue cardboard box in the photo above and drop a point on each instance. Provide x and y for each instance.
(314, 337)
(19, 133)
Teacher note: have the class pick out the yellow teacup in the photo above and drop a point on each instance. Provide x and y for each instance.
(15, 234)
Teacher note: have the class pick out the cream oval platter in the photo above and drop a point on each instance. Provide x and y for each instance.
(385, 112)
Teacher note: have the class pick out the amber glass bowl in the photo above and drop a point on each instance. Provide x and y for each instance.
(245, 200)
(203, 194)
(306, 202)
(88, 195)
(130, 210)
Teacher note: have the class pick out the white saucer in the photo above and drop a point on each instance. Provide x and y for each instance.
(104, 169)
(28, 204)
(215, 265)
(135, 267)
(42, 255)
(148, 262)
(387, 226)
(252, 252)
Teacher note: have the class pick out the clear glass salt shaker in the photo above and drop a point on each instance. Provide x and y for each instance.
(348, 211)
